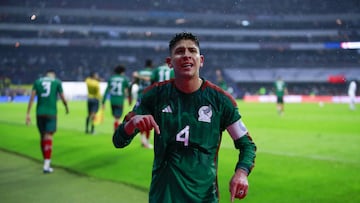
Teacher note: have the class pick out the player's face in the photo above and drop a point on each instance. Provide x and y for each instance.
(186, 59)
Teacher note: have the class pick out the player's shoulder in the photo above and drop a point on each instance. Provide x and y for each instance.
(158, 86)
(57, 80)
(217, 91)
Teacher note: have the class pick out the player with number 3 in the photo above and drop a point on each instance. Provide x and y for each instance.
(46, 89)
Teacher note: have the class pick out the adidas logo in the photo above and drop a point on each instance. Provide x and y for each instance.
(167, 109)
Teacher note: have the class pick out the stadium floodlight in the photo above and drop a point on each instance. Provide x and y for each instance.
(245, 23)
(350, 45)
(33, 17)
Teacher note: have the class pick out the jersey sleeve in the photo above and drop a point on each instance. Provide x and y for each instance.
(247, 153)
(244, 144)
(60, 89)
(230, 112)
(120, 138)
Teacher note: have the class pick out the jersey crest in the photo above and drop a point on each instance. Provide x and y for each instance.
(205, 113)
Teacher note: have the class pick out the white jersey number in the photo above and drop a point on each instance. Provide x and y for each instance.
(183, 136)
(47, 87)
(164, 75)
(116, 88)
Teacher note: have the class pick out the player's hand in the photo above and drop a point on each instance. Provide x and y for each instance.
(66, 109)
(239, 185)
(28, 120)
(144, 123)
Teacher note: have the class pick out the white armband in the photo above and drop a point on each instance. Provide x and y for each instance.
(237, 130)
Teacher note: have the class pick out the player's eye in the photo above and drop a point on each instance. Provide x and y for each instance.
(193, 50)
(179, 51)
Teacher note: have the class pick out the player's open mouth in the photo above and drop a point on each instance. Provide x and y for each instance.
(187, 65)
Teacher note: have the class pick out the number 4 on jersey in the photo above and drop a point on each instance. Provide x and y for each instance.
(183, 136)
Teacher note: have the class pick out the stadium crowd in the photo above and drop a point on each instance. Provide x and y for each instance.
(36, 35)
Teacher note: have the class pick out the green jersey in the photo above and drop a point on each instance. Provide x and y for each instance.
(143, 83)
(116, 87)
(186, 151)
(280, 87)
(162, 73)
(47, 90)
(223, 85)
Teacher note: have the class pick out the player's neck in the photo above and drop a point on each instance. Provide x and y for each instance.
(188, 86)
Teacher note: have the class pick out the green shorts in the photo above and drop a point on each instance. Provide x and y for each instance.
(117, 111)
(46, 124)
(280, 100)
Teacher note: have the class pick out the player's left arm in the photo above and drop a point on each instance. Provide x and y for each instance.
(63, 99)
(242, 140)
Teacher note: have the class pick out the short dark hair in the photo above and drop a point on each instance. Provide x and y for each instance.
(183, 36)
(93, 73)
(148, 63)
(50, 70)
(119, 69)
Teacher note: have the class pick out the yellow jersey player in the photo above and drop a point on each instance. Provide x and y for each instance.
(94, 96)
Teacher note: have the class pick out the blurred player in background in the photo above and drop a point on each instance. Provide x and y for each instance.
(280, 91)
(5, 87)
(144, 76)
(46, 89)
(220, 80)
(94, 96)
(134, 89)
(118, 89)
(162, 73)
(188, 116)
(144, 80)
(352, 94)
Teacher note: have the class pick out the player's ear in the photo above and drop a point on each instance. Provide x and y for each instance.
(201, 60)
(168, 61)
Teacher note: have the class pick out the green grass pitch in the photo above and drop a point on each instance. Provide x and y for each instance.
(310, 154)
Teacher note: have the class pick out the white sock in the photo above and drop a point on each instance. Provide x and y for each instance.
(47, 163)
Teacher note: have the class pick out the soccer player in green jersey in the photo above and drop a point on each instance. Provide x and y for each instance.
(117, 88)
(162, 73)
(144, 76)
(220, 80)
(46, 89)
(144, 81)
(188, 115)
(280, 91)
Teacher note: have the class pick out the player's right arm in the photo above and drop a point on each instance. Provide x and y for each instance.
(105, 96)
(131, 126)
(138, 120)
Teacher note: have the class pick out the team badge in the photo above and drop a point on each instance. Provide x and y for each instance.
(205, 113)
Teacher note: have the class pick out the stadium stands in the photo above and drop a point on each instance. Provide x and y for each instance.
(253, 41)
